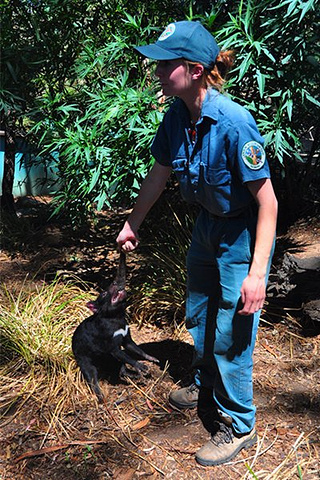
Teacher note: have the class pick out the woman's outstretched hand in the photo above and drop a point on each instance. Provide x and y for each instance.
(127, 239)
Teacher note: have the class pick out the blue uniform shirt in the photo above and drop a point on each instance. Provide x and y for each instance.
(227, 153)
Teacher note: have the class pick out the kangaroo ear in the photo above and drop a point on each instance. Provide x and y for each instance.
(92, 306)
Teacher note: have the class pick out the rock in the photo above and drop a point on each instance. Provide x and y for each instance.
(296, 283)
(311, 310)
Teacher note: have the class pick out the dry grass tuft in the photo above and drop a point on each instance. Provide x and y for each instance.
(36, 330)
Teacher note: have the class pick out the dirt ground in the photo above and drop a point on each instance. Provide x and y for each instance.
(137, 434)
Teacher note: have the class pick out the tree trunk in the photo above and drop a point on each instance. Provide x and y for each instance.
(7, 200)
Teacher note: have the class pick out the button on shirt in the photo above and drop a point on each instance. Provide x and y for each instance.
(226, 153)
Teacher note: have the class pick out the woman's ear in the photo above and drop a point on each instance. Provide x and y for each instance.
(197, 71)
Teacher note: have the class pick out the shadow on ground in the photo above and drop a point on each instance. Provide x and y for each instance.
(174, 356)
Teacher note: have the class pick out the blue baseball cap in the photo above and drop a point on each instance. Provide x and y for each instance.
(188, 40)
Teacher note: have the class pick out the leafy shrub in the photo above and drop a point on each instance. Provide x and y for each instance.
(96, 102)
(275, 75)
(277, 78)
(103, 137)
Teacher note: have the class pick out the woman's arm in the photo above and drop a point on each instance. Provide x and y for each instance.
(151, 188)
(253, 291)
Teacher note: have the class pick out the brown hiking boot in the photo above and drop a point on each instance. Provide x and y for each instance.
(224, 445)
(186, 397)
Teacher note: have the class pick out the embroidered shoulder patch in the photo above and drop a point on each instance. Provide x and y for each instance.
(253, 155)
(168, 32)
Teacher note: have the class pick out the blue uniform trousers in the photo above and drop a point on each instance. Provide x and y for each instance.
(217, 263)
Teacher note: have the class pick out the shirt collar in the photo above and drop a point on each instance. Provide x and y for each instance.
(209, 106)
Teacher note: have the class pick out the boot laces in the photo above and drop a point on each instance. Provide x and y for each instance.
(192, 388)
(223, 435)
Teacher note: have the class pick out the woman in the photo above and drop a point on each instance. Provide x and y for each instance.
(216, 151)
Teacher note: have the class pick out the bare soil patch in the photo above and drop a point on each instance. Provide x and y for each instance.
(137, 434)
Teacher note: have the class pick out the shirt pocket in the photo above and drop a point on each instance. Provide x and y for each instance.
(215, 189)
(181, 170)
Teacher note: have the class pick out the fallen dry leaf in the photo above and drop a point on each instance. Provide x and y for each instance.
(124, 474)
(141, 424)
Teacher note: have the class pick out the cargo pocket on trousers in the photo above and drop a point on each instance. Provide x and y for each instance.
(193, 310)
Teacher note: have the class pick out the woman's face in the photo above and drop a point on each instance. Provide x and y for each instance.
(174, 77)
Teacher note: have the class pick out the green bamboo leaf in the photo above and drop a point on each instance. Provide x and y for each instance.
(286, 59)
(101, 199)
(280, 5)
(135, 184)
(130, 19)
(245, 65)
(234, 20)
(292, 7)
(68, 108)
(247, 22)
(278, 141)
(261, 78)
(306, 7)
(312, 99)
(111, 113)
(289, 107)
(276, 94)
(94, 179)
(268, 54)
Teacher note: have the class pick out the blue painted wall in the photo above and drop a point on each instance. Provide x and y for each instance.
(36, 179)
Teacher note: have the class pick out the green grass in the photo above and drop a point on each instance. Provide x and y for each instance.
(36, 330)
(37, 326)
